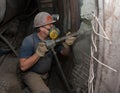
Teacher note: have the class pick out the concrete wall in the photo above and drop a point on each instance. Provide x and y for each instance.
(107, 80)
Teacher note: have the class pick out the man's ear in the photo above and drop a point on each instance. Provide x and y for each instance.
(41, 28)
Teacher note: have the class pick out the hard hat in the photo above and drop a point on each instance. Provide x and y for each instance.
(43, 18)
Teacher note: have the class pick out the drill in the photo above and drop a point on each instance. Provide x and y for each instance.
(54, 33)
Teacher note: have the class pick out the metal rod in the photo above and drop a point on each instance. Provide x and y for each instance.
(6, 41)
(65, 37)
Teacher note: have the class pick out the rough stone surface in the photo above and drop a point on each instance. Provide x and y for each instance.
(9, 82)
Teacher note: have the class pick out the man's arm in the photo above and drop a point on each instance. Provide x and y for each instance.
(26, 63)
(65, 51)
(68, 42)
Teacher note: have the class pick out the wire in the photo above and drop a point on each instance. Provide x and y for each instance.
(94, 48)
(106, 37)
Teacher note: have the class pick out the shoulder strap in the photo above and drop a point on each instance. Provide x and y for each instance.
(33, 40)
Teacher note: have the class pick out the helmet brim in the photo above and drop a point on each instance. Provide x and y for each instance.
(46, 24)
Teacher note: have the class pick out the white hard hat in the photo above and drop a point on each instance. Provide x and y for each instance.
(43, 18)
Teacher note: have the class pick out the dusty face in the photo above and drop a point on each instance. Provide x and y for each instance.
(44, 31)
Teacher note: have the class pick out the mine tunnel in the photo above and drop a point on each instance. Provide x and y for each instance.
(16, 22)
(87, 68)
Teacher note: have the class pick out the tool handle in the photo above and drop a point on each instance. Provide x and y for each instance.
(65, 37)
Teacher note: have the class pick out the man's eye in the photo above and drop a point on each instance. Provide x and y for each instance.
(47, 28)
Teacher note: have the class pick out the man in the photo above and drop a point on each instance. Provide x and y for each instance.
(35, 58)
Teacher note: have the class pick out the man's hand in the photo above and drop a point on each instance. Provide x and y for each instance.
(41, 49)
(69, 41)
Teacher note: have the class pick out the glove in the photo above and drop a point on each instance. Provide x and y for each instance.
(41, 49)
(69, 41)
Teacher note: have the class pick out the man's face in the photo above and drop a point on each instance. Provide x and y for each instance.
(44, 31)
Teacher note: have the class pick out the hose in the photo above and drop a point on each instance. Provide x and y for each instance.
(61, 71)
